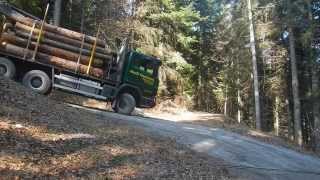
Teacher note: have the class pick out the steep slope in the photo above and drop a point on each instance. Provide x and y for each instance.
(41, 138)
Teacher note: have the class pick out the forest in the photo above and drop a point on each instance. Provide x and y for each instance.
(256, 61)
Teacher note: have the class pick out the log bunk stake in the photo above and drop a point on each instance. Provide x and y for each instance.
(29, 40)
(40, 34)
(93, 51)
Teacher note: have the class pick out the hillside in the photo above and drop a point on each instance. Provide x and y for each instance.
(42, 138)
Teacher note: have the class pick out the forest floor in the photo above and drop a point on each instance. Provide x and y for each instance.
(41, 138)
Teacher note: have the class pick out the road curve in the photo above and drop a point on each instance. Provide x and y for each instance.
(239, 152)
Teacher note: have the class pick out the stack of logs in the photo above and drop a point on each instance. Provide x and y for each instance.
(58, 46)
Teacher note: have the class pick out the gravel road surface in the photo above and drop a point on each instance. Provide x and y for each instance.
(246, 157)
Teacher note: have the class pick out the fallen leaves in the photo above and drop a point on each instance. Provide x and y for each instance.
(41, 138)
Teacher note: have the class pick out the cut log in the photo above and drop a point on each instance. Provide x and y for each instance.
(63, 39)
(52, 60)
(12, 39)
(6, 27)
(64, 46)
(58, 30)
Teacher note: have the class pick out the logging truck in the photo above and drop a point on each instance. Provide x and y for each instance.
(45, 57)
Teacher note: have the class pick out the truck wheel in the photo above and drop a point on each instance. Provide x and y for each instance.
(7, 68)
(125, 104)
(38, 81)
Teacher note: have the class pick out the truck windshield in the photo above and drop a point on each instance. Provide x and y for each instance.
(145, 66)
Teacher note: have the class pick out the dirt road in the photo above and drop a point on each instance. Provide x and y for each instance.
(247, 157)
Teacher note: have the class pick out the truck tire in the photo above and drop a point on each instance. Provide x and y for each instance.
(38, 81)
(125, 104)
(7, 68)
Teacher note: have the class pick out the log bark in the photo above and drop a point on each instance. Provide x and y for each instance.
(64, 46)
(52, 60)
(50, 50)
(63, 39)
(58, 30)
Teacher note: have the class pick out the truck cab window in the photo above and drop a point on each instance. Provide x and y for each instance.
(144, 66)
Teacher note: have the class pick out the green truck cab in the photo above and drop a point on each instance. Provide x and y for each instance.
(142, 71)
(139, 82)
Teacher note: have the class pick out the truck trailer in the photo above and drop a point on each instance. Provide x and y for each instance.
(44, 57)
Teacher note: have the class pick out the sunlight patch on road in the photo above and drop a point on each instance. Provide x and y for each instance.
(204, 146)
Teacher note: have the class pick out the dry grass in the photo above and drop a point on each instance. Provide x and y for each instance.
(41, 138)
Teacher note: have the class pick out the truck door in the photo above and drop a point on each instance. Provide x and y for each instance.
(134, 76)
(147, 75)
(142, 73)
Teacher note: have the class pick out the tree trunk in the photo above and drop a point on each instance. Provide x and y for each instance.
(57, 13)
(70, 11)
(290, 120)
(51, 50)
(225, 111)
(255, 68)
(199, 96)
(295, 90)
(276, 122)
(59, 62)
(239, 118)
(200, 87)
(82, 17)
(316, 107)
(239, 92)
